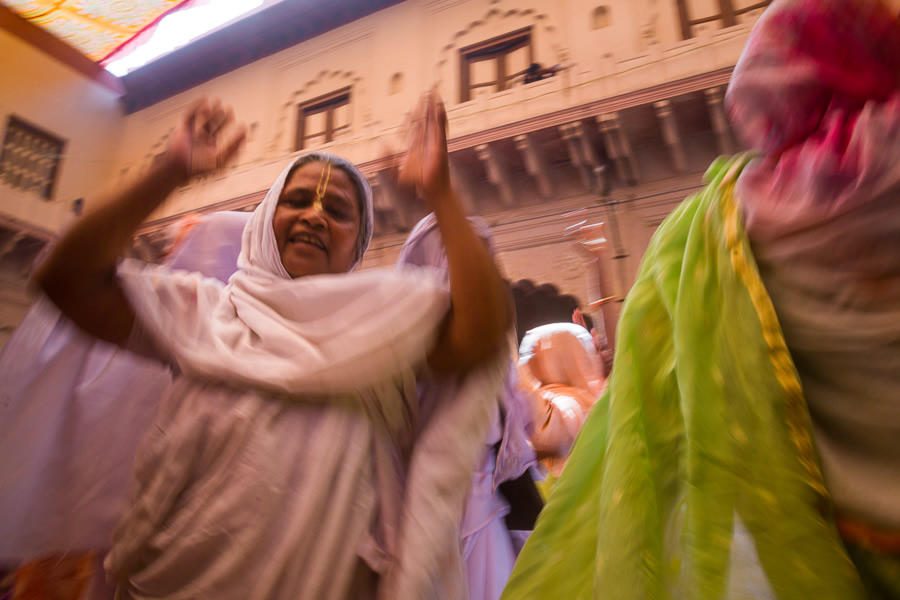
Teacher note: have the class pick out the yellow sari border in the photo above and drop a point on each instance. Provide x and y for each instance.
(797, 411)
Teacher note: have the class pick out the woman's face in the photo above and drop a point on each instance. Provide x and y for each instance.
(317, 221)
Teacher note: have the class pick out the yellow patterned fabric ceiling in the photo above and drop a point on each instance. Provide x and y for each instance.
(93, 27)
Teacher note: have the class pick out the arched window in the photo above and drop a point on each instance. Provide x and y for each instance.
(602, 17)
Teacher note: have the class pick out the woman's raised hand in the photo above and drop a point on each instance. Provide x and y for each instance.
(77, 274)
(198, 146)
(426, 164)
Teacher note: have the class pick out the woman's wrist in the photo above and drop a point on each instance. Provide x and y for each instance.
(173, 172)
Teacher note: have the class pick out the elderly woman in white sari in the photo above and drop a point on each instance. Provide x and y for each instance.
(287, 460)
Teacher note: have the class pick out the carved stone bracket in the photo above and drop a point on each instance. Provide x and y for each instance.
(463, 184)
(618, 146)
(573, 135)
(497, 172)
(671, 134)
(715, 102)
(535, 163)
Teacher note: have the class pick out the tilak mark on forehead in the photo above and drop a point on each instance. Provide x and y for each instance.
(322, 188)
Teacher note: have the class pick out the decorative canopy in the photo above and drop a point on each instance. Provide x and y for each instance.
(96, 28)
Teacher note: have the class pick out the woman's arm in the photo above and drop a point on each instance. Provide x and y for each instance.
(481, 311)
(481, 305)
(79, 276)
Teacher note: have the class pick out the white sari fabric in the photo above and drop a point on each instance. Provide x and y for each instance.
(62, 399)
(292, 451)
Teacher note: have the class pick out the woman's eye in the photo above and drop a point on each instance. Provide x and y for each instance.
(336, 211)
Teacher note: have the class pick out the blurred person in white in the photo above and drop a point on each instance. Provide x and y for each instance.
(561, 374)
(74, 409)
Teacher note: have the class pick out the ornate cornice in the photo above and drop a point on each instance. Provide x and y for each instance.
(655, 93)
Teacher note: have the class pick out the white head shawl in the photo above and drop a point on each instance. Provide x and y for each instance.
(320, 334)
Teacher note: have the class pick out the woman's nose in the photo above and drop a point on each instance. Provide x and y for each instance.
(314, 216)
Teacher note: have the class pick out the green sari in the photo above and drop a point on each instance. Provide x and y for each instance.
(695, 475)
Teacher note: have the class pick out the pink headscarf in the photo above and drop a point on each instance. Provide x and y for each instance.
(808, 60)
(818, 91)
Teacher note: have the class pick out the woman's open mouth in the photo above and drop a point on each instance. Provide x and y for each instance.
(307, 239)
